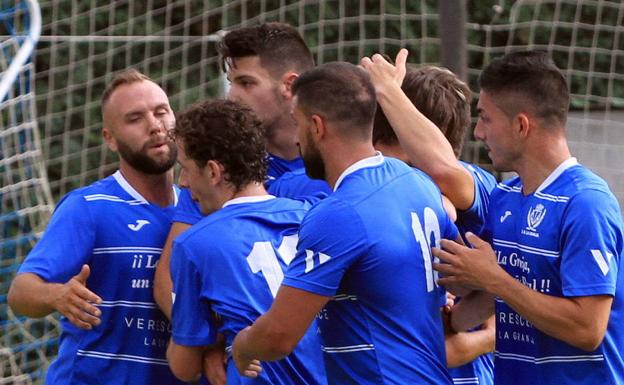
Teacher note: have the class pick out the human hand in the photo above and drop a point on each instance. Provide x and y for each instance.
(384, 74)
(73, 300)
(475, 268)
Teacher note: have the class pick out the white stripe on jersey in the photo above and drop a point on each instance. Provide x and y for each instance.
(344, 297)
(122, 357)
(126, 249)
(504, 187)
(553, 198)
(548, 359)
(525, 248)
(112, 198)
(347, 349)
(122, 303)
(465, 380)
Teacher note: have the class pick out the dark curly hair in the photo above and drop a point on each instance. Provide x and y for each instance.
(226, 132)
(278, 45)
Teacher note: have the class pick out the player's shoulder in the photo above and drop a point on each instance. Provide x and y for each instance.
(481, 176)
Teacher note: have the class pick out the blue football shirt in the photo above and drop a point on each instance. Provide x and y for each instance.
(297, 184)
(367, 246)
(481, 370)
(189, 212)
(564, 240)
(112, 228)
(226, 271)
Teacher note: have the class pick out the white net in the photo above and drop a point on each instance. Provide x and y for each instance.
(25, 197)
(84, 42)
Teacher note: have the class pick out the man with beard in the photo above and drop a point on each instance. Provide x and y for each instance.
(95, 262)
(363, 261)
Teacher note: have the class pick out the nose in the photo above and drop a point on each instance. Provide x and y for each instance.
(478, 131)
(183, 179)
(157, 124)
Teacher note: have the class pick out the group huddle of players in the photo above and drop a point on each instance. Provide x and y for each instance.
(323, 231)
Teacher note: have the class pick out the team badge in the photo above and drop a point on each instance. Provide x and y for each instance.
(535, 216)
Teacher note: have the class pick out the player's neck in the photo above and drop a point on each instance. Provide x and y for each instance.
(342, 156)
(282, 141)
(541, 161)
(156, 189)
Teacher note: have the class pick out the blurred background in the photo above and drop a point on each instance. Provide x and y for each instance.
(50, 140)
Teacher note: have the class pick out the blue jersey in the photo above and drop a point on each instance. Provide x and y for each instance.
(189, 212)
(112, 228)
(297, 184)
(481, 370)
(368, 247)
(279, 166)
(226, 271)
(564, 240)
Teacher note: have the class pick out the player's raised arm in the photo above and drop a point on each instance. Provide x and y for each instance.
(423, 142)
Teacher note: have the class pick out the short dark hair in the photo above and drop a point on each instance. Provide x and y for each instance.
(226, 132)
(278, 45)
(124, 77)
(439, 95)
(339, 92)
(528, 80)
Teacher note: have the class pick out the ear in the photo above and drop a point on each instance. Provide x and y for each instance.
(214, 172)
(287, 81)
(109, 139)
(318, 127)
(523, 124)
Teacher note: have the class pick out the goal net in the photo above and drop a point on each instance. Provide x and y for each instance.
(84, 43)
(26, 202)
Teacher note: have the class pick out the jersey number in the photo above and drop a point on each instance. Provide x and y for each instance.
(262, 258)
(424, 236)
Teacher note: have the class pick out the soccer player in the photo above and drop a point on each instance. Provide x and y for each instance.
(95, 262)
(261, 63)
(227, 268)
(363, 260)
(556, 233)
(422, 103)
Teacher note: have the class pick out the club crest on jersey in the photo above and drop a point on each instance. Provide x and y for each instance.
(534, 219)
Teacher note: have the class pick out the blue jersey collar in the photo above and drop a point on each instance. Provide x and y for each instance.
(360, 164)
(566, 164)
(251, 199)
(134, 193)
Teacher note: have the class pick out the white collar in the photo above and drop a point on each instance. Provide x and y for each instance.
(249, 199)
(371, 161)
(566, 164)
(134, 193)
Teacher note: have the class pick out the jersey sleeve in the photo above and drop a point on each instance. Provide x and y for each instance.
(66, 244)
(332, 237)
(473, 219)
(187, 210)
(592, 244)
(190, 316)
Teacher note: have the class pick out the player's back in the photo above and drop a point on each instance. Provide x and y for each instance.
(239, 253)
(383, 324)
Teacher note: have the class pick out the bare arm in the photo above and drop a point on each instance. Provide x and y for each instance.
(163, 286)
(276, 333)
(422, 140)
(32, 296)
(185, 361)
(578, 321)
(464, 347)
